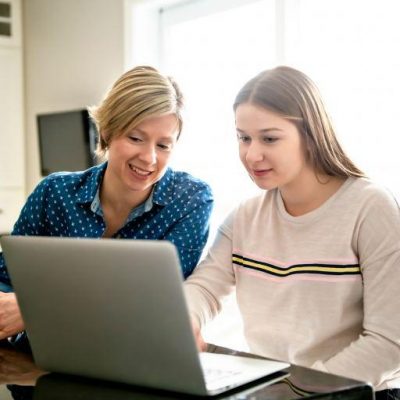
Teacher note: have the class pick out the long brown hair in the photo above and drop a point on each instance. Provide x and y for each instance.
(293, 95)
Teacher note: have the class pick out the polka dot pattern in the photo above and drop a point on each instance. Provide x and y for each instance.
(67, 204)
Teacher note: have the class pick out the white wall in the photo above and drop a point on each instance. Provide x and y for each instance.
(73, 51)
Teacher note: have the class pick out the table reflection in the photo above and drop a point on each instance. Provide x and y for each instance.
(18, 368)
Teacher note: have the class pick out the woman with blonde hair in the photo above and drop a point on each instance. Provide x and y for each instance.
(314, 259)
(133, 194)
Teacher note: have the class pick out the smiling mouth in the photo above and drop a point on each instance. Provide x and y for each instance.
(140, 171)
(261, 172)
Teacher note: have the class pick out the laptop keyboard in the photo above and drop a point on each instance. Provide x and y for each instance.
(213, 375)
(222, 371)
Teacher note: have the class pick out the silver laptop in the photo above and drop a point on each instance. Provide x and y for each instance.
(115, 310)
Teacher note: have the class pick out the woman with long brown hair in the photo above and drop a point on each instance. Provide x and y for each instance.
(314, 259)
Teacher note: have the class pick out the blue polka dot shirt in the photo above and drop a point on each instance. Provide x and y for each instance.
(67, 204)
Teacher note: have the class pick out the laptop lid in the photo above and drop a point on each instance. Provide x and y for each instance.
(109, 309)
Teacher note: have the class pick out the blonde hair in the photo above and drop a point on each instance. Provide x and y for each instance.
(293, 95)
(139, 93)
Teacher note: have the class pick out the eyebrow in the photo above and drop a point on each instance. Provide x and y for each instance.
(265, 130)
(141, 131)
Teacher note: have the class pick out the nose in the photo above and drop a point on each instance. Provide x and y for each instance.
(148, 155)
(254, 153)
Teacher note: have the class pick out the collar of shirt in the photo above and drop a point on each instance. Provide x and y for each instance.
(162, 193)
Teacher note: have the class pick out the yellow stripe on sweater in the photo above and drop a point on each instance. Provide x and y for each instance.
(298, 268)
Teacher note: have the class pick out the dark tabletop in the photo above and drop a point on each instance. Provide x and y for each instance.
(21, 379)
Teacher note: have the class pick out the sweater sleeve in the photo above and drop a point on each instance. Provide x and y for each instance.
(375, 355)
(213, 279)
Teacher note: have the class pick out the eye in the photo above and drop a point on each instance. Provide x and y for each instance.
(243, 138)
(135, 139)
(164, 147)
(269, 139)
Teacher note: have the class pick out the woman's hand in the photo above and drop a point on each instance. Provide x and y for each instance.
(10, 316)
